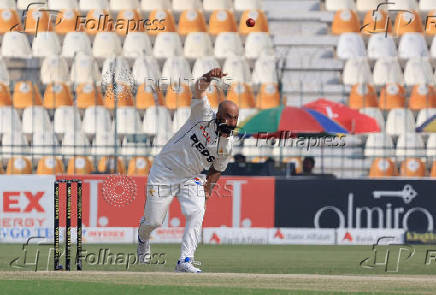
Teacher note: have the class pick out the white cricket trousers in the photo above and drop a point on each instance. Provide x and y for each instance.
(192, 200)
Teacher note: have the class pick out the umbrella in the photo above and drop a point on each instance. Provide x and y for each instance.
(352, 120)
(290, 119)
(428, 126)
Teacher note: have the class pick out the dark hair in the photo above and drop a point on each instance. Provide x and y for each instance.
(311, 159)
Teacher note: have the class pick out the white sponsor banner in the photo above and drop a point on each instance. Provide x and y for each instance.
(96, 235)
(167, 235)
(369, 236)
(233, 235)
(301, 236)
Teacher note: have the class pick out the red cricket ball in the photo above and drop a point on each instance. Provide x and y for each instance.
(250, 22)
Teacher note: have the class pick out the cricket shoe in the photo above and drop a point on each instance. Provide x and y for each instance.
(187, 265)
(143, 251)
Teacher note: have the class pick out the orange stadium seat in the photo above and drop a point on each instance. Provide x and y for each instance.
(123, 95)
(9, 21)
(26, 94)
(191, 21)
(88, 95)
(422, 97)
(376, 21)
(19, 165)
(161, 21)
(298, 163)
(50, 165)
(260, 19)
(96, 21)
(107, 165)
(413, 167)
(382, 167)
(80, 165)
(430, 23)
(433, 170)
(178, 96)
(392, 96)
(215, 95)
(2, 171)
(363, 96)
(139, 166)
(5, 95)
(268, 96)
(222, 21)
(56, 95)
(145, 97)
(37, 20)
(66, 22)
(345, 21)
(129, 21)
(407, 22)
(242, 95)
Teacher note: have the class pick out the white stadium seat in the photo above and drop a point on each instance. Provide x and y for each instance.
(412, 45)
(87, 5)
(107, 44)
(181, 115)
(203, 65)
(131, 149)
(181, 5)
(365, 5)
(75, 143)
(379, 145)
(13, 144)
(128, 121)
(8, 4)
(424, 115)
(334, 5)
(242, 5)
(198, 44)
(418, 71)
(46, 44)
(176, 70)
(146, 69)
(211, 5)
(44, 143)
(228, 44)
(54, 69)
(67, 119)
(118, 68)
(350, 45)
(357, 71)
(36, 119)
(427, 5)
(410, 145)
(31, 4)
(245, 113)
(400, 121)
(96, 118)
(433, 48)
(431, 145)
(76, 43)
(9, 120)
(387, 70)
(104, 144)
(403, 5)
(258, 44)
(237, 69)
(85, 70)
(376, 114)
(137, 44)
(4, 73)
(167, 44)
(265, 70)
(16, 44)
(157, 119)
(62, 4)
(150, 5)
(116, 5)
(381, 45)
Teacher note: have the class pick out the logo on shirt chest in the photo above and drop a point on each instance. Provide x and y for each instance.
(201, 148)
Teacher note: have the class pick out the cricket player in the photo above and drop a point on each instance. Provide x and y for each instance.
(203, 142)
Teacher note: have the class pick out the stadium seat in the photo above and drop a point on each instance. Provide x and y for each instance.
(15, 44)
(36, 119)
(66, 118)
(242, 95)
(146, 70)
(298, 163)
(412, 45)
(345, 21)
(74, 143)
(376, 21)
(430, 23)
(37, 21)
(246, 113)
(116, 69)
(107, 44)
(407, 22)
(148, 96)
(268, 96)
(76, 43)
(138, 166)
(392, 96)
(164, 18)
(350, 45)
(228, 44)
(44, 143)
(84, 70)
(203, 65)
(54, 69)
(26, 94)
(183, 5)
(9, 21)
(104, 143)
(261, 22)
(88, 94)
(382, 167)
(181, 115)
(27, 4)
(14, 143)
(376, 114)
(178, 95)
(117, 5)
(403, 5)
(431, 146)
(413, 167)
(237, 69)
(150, 5)
(96, 21)
(66, 21)
(176, 70)
(257, 44)
(212, 5)
(86, 5)
(137, 44)
(198, 44)
(222, 21)
(243, 5)
(433, 170)
(9, 120)
(334, 5)
(50, 165)
(19, 165)
(379, 145)
(122, 94)
(400, 121)
(265, 70)
(5, 95)
(362, 96)
(9, 4)
(424, 115)
(381, 45)
(410, 145)
(167, 44)
(107, 165)
(62, 4)
(129, 21)
(427, 5)
(46, 44)
(80, 165)
(422, 97)
(57, 95)
(96, 119)
(387, 70)
(128, 121)
(215, 95)
(418, 70)
(191, 21)
(157, 119)
(357, 71)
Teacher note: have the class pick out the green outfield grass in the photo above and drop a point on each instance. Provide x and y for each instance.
(228, 270)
